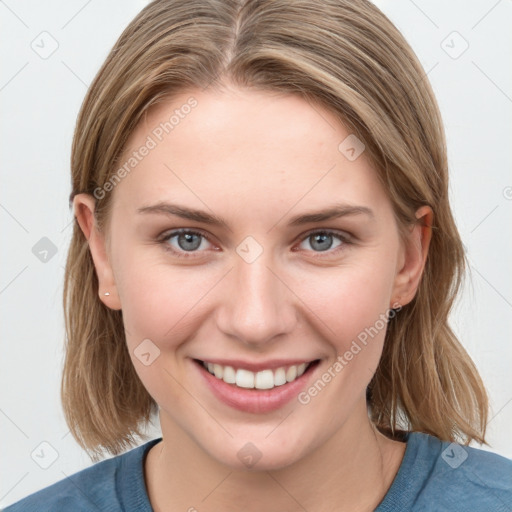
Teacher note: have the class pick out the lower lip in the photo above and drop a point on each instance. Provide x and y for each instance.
(256, 401)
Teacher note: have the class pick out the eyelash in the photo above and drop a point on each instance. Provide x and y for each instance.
(184, 254)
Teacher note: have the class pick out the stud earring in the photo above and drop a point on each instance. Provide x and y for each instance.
(106, 293)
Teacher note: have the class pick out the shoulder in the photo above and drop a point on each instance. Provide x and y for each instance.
(454, 477)
(470, 478)
(97, 487)
(79, 491)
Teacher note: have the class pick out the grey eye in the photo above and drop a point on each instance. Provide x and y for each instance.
(322, 241)
(189, 241)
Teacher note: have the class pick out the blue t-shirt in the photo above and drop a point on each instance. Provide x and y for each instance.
(433, 476)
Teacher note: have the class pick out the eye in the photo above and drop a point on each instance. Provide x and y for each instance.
(186, 241)
(322, 240)
(190, 241)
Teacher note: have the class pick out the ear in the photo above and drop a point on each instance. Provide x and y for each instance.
(413, 258)
(84, 205)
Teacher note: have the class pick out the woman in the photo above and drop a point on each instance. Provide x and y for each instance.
(265, 255)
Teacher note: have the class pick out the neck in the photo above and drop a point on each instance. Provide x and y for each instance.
(352, 471)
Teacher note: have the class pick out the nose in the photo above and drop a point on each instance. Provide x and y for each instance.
(256, 305)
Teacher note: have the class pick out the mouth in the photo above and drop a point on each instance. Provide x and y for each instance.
(259, 391)
(267, 378)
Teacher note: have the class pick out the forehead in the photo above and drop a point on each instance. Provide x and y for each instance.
(256, 147)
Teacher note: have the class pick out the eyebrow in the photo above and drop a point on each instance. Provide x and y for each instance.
(331, 212)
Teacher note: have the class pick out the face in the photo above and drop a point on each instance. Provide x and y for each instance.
(264, 286)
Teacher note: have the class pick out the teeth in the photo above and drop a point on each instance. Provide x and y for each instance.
(218, 371)
(279, 377)
(265, 379)
(291, 373)
(244, 378)
(229, 375)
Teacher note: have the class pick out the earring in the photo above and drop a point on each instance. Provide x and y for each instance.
(106, 293)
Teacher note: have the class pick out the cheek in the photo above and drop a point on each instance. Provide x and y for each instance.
(348, 299)
(350, 309)
(160, 301)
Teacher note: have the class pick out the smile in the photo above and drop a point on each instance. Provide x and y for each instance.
(269, 387)
(265, 379)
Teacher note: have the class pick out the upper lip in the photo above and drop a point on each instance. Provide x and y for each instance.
(256, 367)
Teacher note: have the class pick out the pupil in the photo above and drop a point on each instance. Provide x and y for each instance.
(322, 237)
(189, 244)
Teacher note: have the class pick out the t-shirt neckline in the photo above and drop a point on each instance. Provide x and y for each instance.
(133, 487)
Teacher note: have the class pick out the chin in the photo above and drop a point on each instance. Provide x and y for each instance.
(259, 455)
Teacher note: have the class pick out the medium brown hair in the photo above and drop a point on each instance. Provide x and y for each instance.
(344, 55)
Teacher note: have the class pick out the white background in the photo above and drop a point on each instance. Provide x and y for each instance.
(40, 101)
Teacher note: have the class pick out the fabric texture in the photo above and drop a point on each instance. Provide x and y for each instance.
(434, 476)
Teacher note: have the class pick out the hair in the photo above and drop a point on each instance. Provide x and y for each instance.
(343, 55)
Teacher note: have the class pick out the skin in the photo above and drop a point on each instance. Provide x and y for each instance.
(256, 159)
